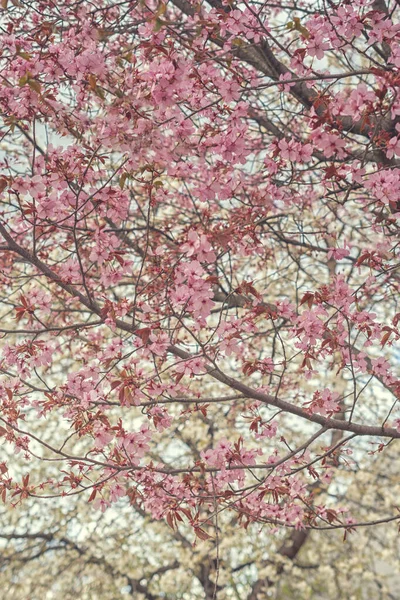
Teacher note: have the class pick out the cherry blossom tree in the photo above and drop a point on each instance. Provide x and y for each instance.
(199, 226)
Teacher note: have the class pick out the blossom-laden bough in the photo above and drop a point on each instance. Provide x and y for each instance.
(199, 260)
